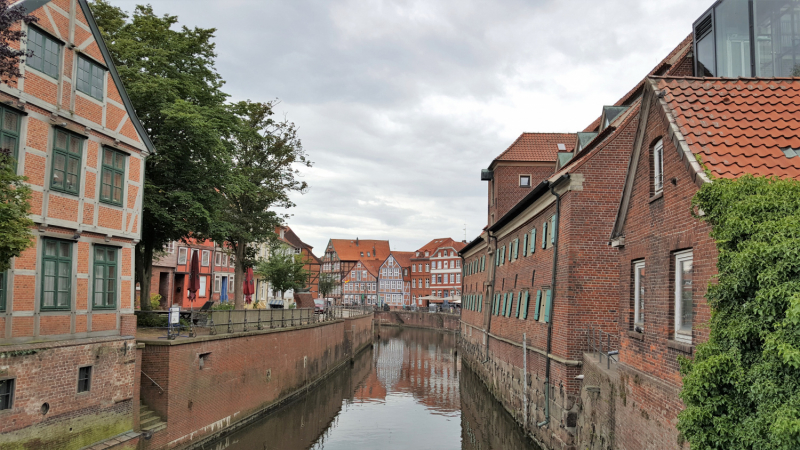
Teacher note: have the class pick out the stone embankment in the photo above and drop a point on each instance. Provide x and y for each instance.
(414, 319)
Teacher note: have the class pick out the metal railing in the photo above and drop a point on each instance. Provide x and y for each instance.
(603, 344)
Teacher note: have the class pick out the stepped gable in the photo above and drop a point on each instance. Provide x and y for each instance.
(350, 250)
(542, 147)
(737, 126)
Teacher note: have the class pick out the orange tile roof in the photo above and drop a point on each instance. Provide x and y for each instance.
(403, 258)
(347, 250)
(540, 147)
(372, 265)
(738, 126)
(439, 243)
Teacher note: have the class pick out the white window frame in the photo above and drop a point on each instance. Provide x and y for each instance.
(658, 167)
(225, 259)
(217, 283)
(230, 283)
(638, 298)
(529, 180)
(446, 265)
(413, 268)
(681, 334)
(427, 267)
(205, 258)
(231, 262)
(183, 255)
(203, 286)
(218, 259)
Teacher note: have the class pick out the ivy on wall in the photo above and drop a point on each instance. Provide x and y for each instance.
(742, 390)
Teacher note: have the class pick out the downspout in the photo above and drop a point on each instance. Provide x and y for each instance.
(552, 307)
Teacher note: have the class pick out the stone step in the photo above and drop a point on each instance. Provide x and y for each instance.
(149, 421)
(146, 415)
(156, 427)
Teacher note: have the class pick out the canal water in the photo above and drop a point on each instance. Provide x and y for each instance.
(408, 392)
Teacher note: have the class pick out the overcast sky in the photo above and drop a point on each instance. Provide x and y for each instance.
(401, 103)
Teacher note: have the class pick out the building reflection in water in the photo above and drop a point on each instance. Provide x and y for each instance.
(407, 392)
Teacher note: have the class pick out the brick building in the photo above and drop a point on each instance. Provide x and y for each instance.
(426, 273)
(341, 255)
(360, 285)
(394, 280)
(66, 305)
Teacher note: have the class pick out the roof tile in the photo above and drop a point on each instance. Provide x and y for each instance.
(541, 147)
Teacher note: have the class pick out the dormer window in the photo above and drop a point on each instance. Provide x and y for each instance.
(362, 254)
(524, 181)
(367, 254)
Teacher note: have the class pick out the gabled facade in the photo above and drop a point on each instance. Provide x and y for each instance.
(394, 280)
(67, 309)
(341, 255)
(360, 285)
(436, 271)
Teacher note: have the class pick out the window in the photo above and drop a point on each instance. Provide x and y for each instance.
(638, 294)
(458, 264)
(231, 262)
(413, 268)
(84, 379)
(544, 235)
(658, 167)
(683, 296)
(217, 259)
(445, 265)
(218, 282)
(427, 283)
(90, 79)
(3, 288)
(66, 173)
(6, 394)
(206, 260)
(439, 280)
(112, 179)
(57, 274)
(225, 259)
(105, 277)
(46, 52)
(9, 132)
(427, 268)
(414, 283)
(182, 251)
(524, 181)
(231, 284)
(458, 278)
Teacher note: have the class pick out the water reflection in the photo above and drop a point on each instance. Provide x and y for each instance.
(407, 392)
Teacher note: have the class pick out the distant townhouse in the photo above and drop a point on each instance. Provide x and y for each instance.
(360, 285)
(66, 305)
(290, 242)
(342, 255)
(436, 272)
(394, 280)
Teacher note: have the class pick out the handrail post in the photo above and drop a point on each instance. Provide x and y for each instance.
(230, 326)
(244, 328)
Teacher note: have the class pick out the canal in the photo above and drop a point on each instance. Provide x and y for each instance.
(408, 392)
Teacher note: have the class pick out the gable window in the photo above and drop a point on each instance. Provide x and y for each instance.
(9, 132)
(112, 177)
(67, 156)
(658, 167)
(90, 79)
(105, 277)
(683, 296)
(46, 52)
(524, 181)
(638, 295)
(182, 252)
(57, 274)
(206, 258)
(84, 379)
(6, 394)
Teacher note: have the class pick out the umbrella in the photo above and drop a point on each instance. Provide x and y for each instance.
(249, 289)
(194, 277)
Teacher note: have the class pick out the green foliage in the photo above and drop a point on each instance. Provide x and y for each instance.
(742, 390)
(15, 226)
(222, 306)
(327, 283)
(155, 301)
(283, 269)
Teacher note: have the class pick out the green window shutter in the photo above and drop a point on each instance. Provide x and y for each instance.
(544, 235)
(516, 248)
(483, 263)
(548, 306)
(525, 245)
(519, 299)
(502, 311)
(533, 241)
(510, 304)
(480, 303)
(56, 274)
(497, 257)
(553, 229)
(525, 308)
(538, 303)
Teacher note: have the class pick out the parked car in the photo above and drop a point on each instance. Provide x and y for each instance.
(320, 306)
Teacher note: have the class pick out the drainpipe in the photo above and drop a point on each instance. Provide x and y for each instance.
(552, 307)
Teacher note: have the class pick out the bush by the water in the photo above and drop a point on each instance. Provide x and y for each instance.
(742, 390)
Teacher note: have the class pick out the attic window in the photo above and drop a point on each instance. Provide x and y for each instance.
(525, 180)
(367, 254)
(790, 152)
(562, 147)
(362, 253)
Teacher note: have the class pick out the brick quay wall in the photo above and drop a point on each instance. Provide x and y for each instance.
(413, 319)
(242, 375)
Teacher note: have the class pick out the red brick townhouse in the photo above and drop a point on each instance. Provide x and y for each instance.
(360, 285)
(543, 273)
(394, 280)
(67, 348)
(436, 271)
(341, 255)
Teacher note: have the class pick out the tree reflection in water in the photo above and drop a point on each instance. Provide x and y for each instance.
(407, 392)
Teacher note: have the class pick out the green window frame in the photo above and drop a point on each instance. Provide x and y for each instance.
(525, 245)
(538, 304)
(548, 305)
(509, 304)
(519, 300)
(525, 308)
(65, 170)
(9, 132)
(112, 177)
(533, 241)
(46, 52)
(3, 289)
(90, 78)
(544, 235)
(56, 274)
(104, 295)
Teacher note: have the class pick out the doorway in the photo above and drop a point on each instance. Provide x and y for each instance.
(223, 293)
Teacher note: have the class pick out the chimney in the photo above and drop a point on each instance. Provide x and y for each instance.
(356, 242)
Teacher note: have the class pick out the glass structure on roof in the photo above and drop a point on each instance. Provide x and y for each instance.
(745, 38)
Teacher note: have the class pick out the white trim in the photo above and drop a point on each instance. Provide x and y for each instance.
(680, 334)
(637, 291)
(658, 167)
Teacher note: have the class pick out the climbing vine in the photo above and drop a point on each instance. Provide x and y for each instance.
(742, 390)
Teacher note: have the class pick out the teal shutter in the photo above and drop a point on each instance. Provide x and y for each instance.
(519, 299)
(516, 248)
(510, 304)
(553, 229)
(480, 303)
(544, 235)
(525, 245)
(497, 257)
(495, 304)
(502, 311)
(548, 306)
(483, 263)
(533, 241)
(538, 303)
(525, 308)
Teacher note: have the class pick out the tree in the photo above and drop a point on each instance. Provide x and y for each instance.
(327, 283)
(15, 226)
(170, 77)
(742, 390)
(10, 36)
(283, 270)
(265, 153)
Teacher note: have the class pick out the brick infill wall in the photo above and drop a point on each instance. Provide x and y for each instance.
(411, 319)
(243, 376)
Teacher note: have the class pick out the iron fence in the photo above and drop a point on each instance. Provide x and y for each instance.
(603, 344)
